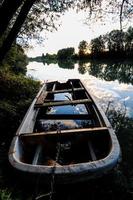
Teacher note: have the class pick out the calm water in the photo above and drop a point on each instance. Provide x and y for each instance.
(110, 83)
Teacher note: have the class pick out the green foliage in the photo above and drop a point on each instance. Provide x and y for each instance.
(5, 195)
(119, 120)
(116, 44)
(36, 59)
(17, 92)
(108, 69)
(116, 41)
(83, 48)
(16, 60)
(82, 67)
(66, 64)
(129, 41)
(65, 53)
(16, 87)
(97, 45)
(49, 58)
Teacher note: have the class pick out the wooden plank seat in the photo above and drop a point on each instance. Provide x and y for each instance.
(39, 137)
(62, 103)
(66, 90)
(42, 96)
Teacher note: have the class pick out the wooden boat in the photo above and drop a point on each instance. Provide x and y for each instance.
(66, 135)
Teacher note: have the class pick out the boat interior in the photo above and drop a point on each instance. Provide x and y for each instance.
(68, 130)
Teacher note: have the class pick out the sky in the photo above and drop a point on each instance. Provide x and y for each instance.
(70, 33)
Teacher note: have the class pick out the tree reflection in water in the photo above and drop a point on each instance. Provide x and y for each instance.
(118, 117)
(109, 71)
(66, 64)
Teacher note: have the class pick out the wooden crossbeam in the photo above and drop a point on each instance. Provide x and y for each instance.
(69, 132)
(42, 97)
(63, 103)
(65, 90)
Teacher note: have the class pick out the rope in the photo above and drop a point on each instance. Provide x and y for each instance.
(50, 194)
(54, 167)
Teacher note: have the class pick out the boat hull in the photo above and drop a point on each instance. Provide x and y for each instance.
(101, 159)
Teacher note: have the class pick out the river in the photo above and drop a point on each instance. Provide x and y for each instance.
(110, 83)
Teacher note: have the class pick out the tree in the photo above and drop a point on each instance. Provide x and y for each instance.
(97, 46)
(65, 53)
(116, 41)
(17, 60)
(82, 67)
(117, 10)
(15, 13)
(126, 11)
(50, 8)
(129, 40)
(16, 28)
(5, 17)
(83, 48)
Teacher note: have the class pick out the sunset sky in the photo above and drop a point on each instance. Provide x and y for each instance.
(71, 32)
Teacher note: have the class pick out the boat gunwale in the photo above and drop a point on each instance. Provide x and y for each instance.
(79, 168)
(71, 168)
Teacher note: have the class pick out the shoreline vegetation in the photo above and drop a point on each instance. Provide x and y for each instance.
(17, 92)
(114, 45)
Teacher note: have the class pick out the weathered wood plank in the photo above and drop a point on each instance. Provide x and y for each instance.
(39, 137)
(41, 98)
(65, 90)
(62, 103)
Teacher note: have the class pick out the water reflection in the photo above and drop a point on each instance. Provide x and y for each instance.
(107, 70)
(108, 82)
(83, 67)
(110, 71)
(68, 64)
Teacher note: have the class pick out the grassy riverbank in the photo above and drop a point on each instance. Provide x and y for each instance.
(16, 93)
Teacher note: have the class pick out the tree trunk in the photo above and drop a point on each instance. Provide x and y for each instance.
(15, 29)
(7, 10)
(121, 12)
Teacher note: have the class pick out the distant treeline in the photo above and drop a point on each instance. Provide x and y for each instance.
(116, 44)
